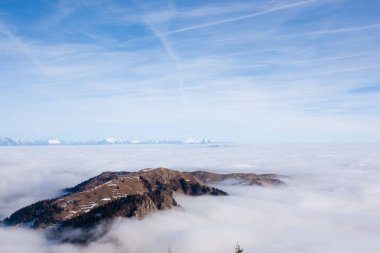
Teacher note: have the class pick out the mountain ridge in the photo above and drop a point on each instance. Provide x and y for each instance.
(125, 194)
(8, 141)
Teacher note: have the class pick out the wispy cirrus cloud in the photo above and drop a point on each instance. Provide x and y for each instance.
(367, 89)
(18, 43)
(346, 30)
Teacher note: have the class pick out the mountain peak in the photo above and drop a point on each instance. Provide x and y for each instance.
(125, 194)
(54, 142)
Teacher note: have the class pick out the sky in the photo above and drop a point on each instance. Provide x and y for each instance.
(242, 71)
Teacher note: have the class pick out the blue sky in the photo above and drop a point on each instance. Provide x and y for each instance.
(243, 71)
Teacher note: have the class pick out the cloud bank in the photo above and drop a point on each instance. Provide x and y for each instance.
(330, 204)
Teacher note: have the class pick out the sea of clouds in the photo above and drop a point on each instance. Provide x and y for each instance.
(331, 202)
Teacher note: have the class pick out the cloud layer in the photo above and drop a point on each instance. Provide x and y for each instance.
(330, 204)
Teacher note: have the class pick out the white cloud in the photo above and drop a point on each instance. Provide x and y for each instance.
(329, 205)
(346, 30)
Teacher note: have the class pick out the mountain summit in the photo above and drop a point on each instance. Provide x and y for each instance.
(125, 194)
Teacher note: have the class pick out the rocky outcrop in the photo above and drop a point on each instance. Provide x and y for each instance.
(238, 178)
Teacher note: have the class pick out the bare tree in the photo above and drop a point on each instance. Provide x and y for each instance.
(238, 249)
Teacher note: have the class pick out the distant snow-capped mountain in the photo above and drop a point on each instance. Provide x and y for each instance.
(125, 141)
(7, 141)
(201, 141)
(54, 142)
(114, 141)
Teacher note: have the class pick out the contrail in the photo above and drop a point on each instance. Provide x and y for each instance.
(170, 52)
(177, 62)
(229, 20)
